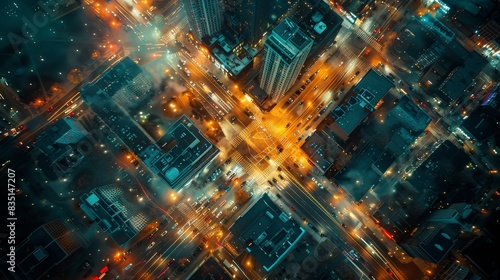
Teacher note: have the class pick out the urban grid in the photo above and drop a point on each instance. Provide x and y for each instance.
(250, 139)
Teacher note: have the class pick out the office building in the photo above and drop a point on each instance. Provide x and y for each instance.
(410, 115)
(126, 83)
(62, 145)
(46, 247)
(455, 85)
(266, 232)
(204, 17)
(432, 241)
(113, 213)
(180, 154)
(362, 100)
(286, 49)
(460, 214)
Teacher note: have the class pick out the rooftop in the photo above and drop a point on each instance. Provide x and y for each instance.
(266, 232)
(46, 247)
(433, 240)
(362, 101)
(321, 149)
(461, 77)
(288, 40)
(113, 213)
(482, 123)
(410, 115)
(184, 150)
(435, 172)
(210, 270)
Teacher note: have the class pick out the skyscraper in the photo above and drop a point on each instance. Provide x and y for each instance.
(286, 49)
(204, 16)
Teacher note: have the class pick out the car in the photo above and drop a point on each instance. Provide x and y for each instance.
(164, 233)
(192, 83)
(310, 117)
(290, 99)
(280, 148)
(354, 255)
(50, 108)
(151, 245)
(278, 195)
(151, 235)
(202, 84)
(301, 102)
(344, 226)
(292, 208)
(288, 125)
(129, 266)
(299, 124)
(270, 183)
(281, 177)
(275, 181)
(233, 119)
(70, 103)
(235, 207)
(21, 127)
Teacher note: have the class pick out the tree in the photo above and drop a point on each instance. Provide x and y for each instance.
(75, 76)
(241, 196)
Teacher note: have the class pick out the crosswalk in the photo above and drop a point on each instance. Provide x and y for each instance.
(244, 134)
(368, 39)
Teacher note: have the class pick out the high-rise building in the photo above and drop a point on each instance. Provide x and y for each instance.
(286, 49)
(204, 16)
(255, 17)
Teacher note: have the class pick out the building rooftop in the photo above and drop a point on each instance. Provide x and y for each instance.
(411, 116)
(266, 232)
(400, 141)
(461, 77)
(126, 83)
(437, 27)
(210, 270)
(321, 149)
(46, 247)
(114, 213)
(181, 152)
(435, 172)
(361, 101)
(288, 40)
(184, 151)
(373, 87)
(118, 121)
(433, 241)
(482, 123)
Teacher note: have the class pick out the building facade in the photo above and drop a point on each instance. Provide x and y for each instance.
(286, 49)
(204, 16)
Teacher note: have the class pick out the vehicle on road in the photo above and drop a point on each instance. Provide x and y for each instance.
(151, 245)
